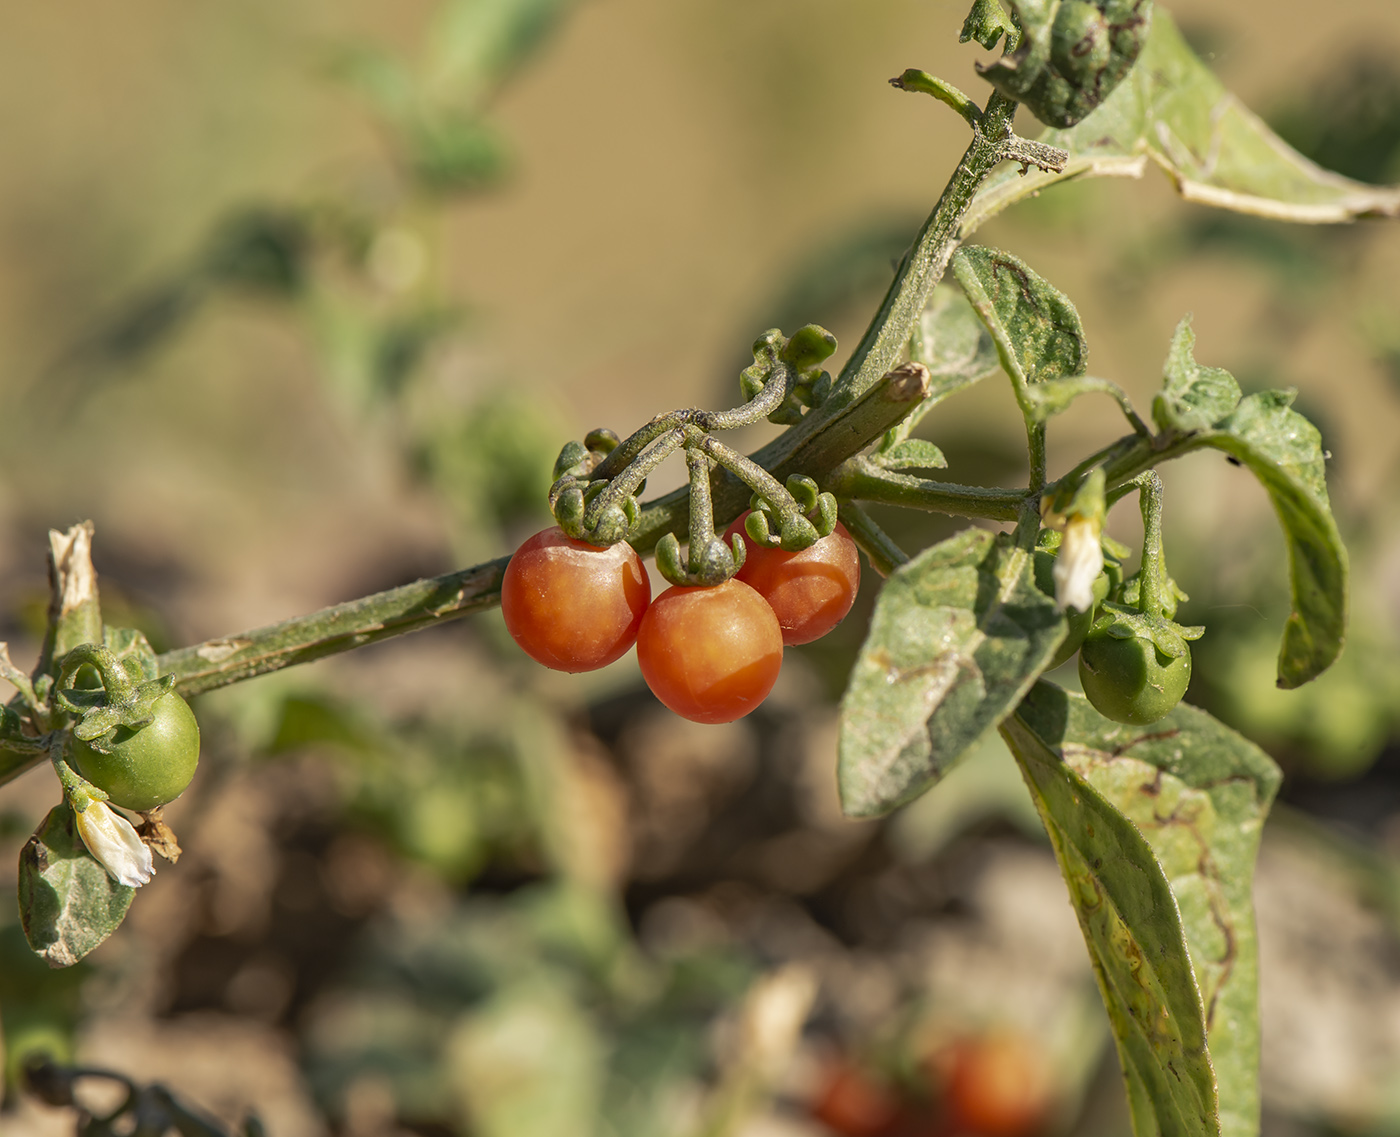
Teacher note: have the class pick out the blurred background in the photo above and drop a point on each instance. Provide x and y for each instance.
(298, 302)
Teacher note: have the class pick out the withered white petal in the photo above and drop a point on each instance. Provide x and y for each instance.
(112, 840)
(1078, 565)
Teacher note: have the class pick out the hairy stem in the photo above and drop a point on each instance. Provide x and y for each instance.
(861, 480)
(885, 556)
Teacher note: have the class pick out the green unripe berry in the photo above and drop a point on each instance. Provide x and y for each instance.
(1131, 680)
(150, 765)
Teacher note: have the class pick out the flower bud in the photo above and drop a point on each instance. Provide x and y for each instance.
(1079, 563)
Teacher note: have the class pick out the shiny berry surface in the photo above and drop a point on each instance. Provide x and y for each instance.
(710, 654)
(573, 606)
(810, 591)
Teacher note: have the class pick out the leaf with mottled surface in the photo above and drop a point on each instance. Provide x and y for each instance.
(1036, 329)
(1180, 804)
(134, 651)
(958, 636)
(1173, 111)
(67, 902)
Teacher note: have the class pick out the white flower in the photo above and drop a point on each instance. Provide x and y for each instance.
(1079, 564)
(111, 839)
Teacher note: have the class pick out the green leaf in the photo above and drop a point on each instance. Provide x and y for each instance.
(67, 902)
(911, 454)
(1157, 830)
(1038, 336)
(952, 342)
(958, 636)
(1192, 397)
(1284, 451)
(1173, 111)
(475, 44)
(1071, 55)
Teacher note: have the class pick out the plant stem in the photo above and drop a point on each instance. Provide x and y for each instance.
(885, 556)
(923, 266)
(1153, 575)
(861, 480)
(1035, 451)
(219, 662)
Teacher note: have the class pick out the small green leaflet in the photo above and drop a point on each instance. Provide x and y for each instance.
(1192, 397)
(910, 454)
(1284, 451)
(1173, 111)
(1157, 829)
(67, 902)
(958, 636)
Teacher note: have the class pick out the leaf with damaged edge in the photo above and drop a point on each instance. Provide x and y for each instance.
(67, 902)
(958, 636)
(1284, 451)
(1172, 110)
(1180, 802)
(986, 23)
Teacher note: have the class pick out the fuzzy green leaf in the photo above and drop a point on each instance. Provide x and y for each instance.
(1192, 397)
(1071, 55)
(1037, 332)
(1172, 111)
(1284, 451)
(911, 454)
(952, 342)
(1157, 830)
(958, 636)
(67, 902)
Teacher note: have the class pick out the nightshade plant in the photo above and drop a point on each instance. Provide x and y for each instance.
(1155, 826)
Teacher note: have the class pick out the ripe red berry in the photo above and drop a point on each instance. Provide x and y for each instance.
(571, 605)
(810, 591)
(710, 654)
